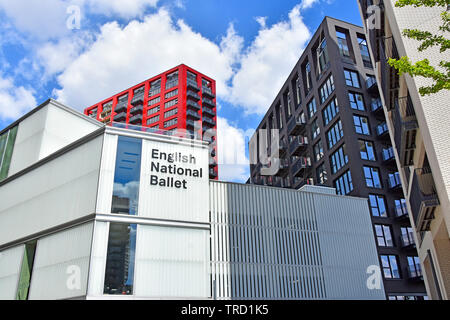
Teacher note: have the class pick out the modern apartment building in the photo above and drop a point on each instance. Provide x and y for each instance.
(179, 100)
(419, 131)
(109, 227)
(332, 131)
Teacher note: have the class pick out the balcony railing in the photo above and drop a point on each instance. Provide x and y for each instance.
(394, 182)
(296, 125)
(297, 145)
(121, 106)
(193, 105)
(208, 112)
(137, 109)
(208, 102)
(382, 130)
(138, 98)
(207, 92)
(120, 116)
(405, 129)
(190, 114)
(209, 122)
(280, 182)
(414, 272)
(377, 107)
(192, 84)
(300, 164)
(423, 198)
(283, 166)
(136, 119)
(407, 241)
(388, 155)
(372, 86)
(192, 95)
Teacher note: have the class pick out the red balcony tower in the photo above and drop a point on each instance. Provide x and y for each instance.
(180, 98)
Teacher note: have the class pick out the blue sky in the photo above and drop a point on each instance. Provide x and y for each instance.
(249, 47)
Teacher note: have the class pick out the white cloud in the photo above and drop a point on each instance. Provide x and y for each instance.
(267, 62)
(308, 3)
(120, 57)
(231, 142)
(14, 101)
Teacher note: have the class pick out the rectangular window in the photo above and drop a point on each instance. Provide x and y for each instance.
(312, 108)
(361, 125)
(26, 271)
(356, 101)
(414, 269)
(127, 176)
(154, 101)
(153, 120)
(171, 94)
(171, 122)
(191, 76)
(7, 141)
(326, 89)
(351, 78)
(308, 78)
(171, 103)
(152, 111)
(344, 184)
(367, 150)
(377, 205)
(372, 176)
(364, 51)
(342, 43)
(297, 91)
(401, 208)
(394, 180)
(335, 134)
(384, 235)
(338, 159)
(170, 113)
(330, 111)
(322, 174)
(407, 236)
(390, 266)
(322, 56)
(120, 259)
(318, 150)
(315, 129)
(172, 80)
(155, 88)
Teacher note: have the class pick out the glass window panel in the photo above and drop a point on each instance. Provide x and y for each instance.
(7, 154)
(127, 176)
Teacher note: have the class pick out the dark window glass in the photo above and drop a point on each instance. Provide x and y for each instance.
(414, 269)
(407, 236)
(342, 43)
(344, 184)
(338, 159)
(335, 134)
(326, 89)
(119, 273)
(318, 150)
(377, 205)
(315, 129)
(322, 174)
(127, 176)
(312, 108)
(322, 56)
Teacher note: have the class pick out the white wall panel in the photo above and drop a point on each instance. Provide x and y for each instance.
(106, 179)
(172, 262)
(61, 264)
(189, 204)
(59, 191)
(98, 259)
(10, 264)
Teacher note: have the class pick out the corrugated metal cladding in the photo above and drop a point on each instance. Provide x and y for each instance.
(272, 243)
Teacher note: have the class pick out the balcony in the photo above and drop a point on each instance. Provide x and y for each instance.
(388, 156)
(423, 198)
(191, 84)
(389, 78)
(372, 86)
(138, 98)
(120, 117)
(137, 109)
(414, 272)
(405, 130)
(280, 182)
(382, 131)
(401, 211)
(300, 165)
(193, 105)
(121, 106)
(300, 182)
(192, 115)
(137, 119)
(296, 125)
(377, 107)
(192, 95)
(407, 242)
(208, 92)
(208, 102)
(209, 122)
(394, 183)
(212, 173)
(298, 144)
(283, 167)
(208, 112)
(190, 124)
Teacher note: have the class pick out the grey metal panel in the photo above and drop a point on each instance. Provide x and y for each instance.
(287, 244)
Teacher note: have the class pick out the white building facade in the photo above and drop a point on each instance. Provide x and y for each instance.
(108, 213)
